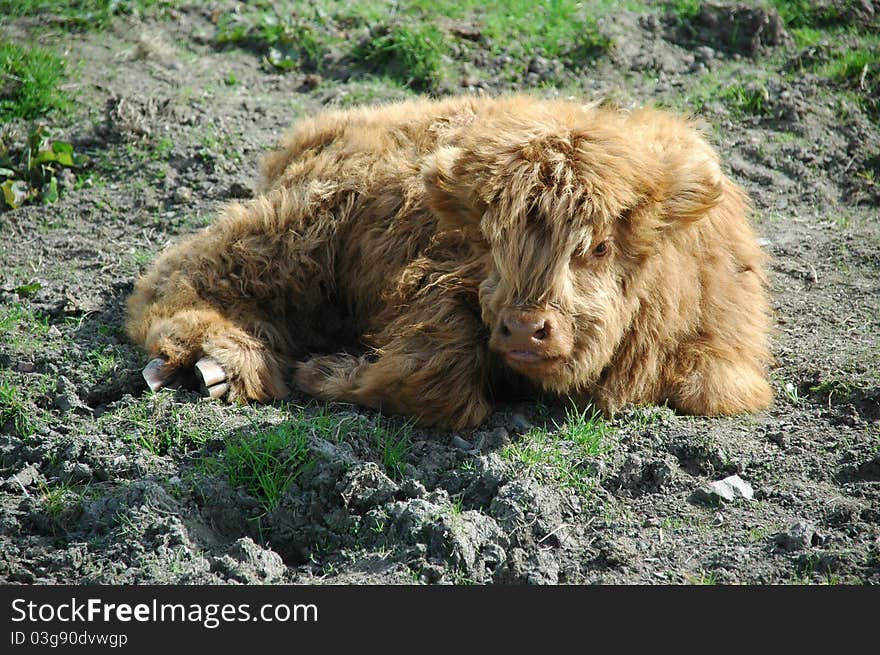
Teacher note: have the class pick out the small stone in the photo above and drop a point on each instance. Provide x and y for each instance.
(75, 472)
(25, 367)
(798, 536)
(461, 444)
(778, 438)
(725, 490)
(519, 424)
(704, 54)
(311, 81)
(493, 440)
(250, 563)
(66, 398)
(367, 486)
(239, 191)
(66, 180)
(412, 488)
(26, 477)
(183, 195)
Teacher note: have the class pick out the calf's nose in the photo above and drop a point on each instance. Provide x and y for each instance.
(525, 329)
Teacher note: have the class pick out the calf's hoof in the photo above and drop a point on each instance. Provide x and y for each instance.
(212, 378)
(156, 375)
(210, 375)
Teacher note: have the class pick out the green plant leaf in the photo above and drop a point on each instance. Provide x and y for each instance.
(284, 55)
(50, 190)
(15, 192)
(27, 289)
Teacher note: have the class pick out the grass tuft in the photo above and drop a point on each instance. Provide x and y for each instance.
(13, 411)
(29, 79)
(157, 425)
(411, 54)
(562, 457)
(394, 442)
(265, 463)
(80, 14)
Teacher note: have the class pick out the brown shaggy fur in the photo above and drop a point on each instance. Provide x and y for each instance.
(423, 257)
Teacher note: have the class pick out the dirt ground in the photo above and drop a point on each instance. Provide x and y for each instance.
(103, 482)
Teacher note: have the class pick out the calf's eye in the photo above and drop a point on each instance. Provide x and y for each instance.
(602, 249)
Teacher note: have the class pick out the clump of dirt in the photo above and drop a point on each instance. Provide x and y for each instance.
(740, 28)
(102, 482)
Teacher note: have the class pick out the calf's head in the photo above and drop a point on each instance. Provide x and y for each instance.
(566, 208)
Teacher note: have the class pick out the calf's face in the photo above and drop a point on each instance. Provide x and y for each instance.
(564, 218)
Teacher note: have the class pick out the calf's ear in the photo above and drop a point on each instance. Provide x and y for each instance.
(693, 184)
(450, 192)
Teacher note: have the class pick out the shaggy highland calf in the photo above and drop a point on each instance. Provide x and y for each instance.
(425, 258)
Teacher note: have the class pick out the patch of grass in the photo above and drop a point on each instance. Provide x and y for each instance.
(808, 13)
(805, 37)
(394, 442)
(561, 457)
(13, 410)
(266, 462)
(82, 14)
(853, 63)
(329, 425)
(850, 62)
(555, 28)
(20, 317)
(104, 359)
(704, 578)
(409, 53)
(55, 500)
(162, 148)
(286, 41)
(22, 327)
(370, 89)
(157, 425)
(414, 43)
(759, 533)
(749, 98)
(684, 10)
(29, 79)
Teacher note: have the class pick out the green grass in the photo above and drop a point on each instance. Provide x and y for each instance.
(852, 64)
(14, 411)
(285, 41)
(29, 79)
(808, 13)
(394, 442)
(560, 457)
(82, 14)
(390, 439)
(411, 54)
(266, 462)
(104, 359)
(156, 424)
(19, 317)
(369, 89)
(746, 99)
(684, 9)
(21, 328)
(741, 98)
(556, 28)
(409, 41)
(704, 578)
(58, 498)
